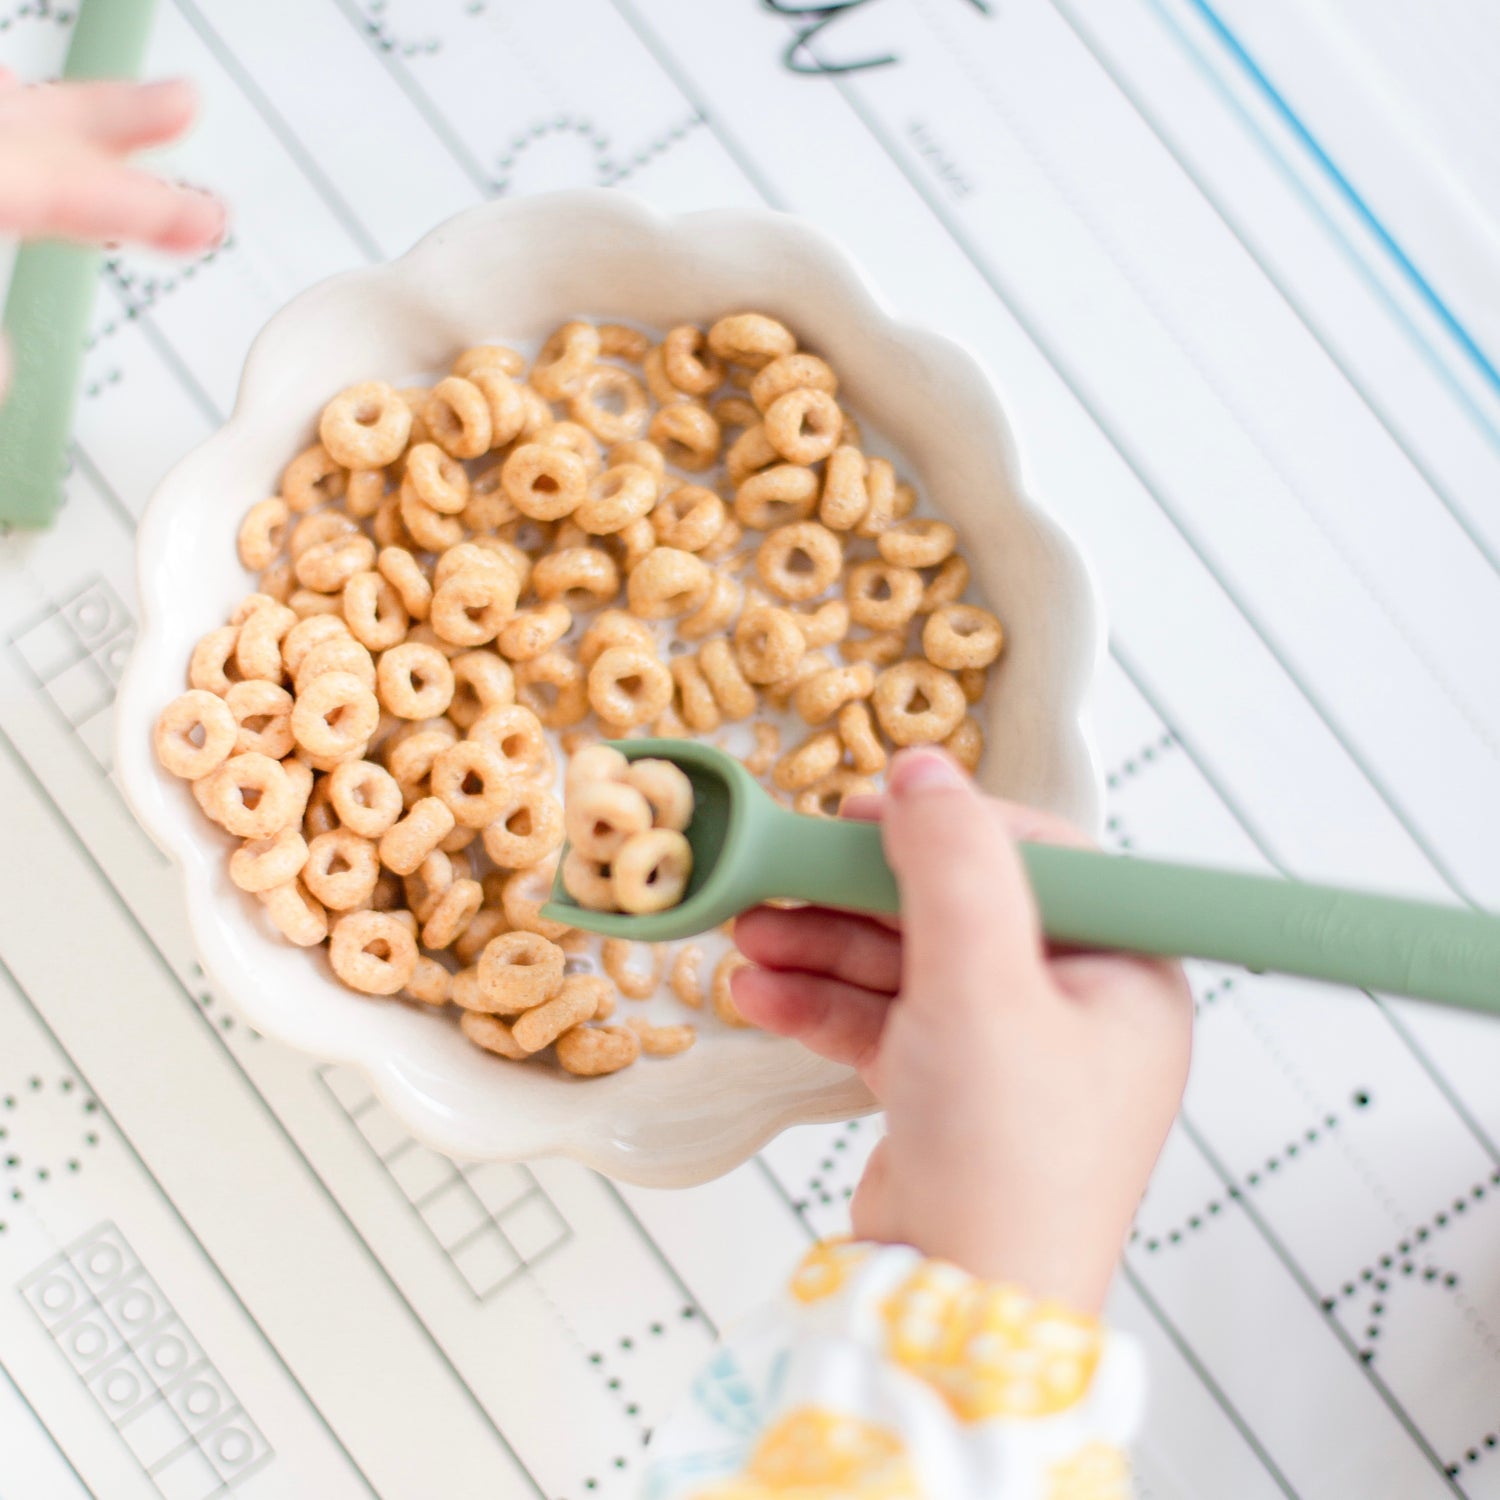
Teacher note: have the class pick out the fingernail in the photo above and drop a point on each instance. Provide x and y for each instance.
(925, 770)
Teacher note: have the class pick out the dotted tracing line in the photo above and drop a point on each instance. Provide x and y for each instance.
(37, 10)
(1144, 758)
(816, 1186)
(14, 1168)
(151, 290)
(649, 152)
(607, 171)
(387, 39)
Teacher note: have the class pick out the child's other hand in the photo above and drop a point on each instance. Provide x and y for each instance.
(1027, 1092)
(64, 171)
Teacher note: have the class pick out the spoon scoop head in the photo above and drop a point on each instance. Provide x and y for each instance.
(726, 801)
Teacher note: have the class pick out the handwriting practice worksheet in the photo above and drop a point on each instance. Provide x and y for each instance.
(1234, 271)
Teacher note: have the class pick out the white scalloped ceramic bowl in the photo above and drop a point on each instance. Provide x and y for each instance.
(512, 271)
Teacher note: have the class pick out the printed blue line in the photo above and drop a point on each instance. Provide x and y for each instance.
(1380, 291)
(1348, 192)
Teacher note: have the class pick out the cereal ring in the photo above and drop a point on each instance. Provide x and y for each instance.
(918, 703)
(617, 497)
(523, 895)
(826, 625)
(387, 527)
(481, 681)
(488, 922)
(545, 481)
(365, 796)
(374, 612)
(565, 359)
(575, 1002)
(425, 886)
(658, 383)
(489, 506)
(767, 748)
(824, 799)
(472, 606)
(716, 612)
(366, 426)
(750, 452)
(917, 544)
(651, 871)
(601, 815)
(276, 581)
(611, 403)
(410, 759)
(415, 681)
(489, 357)
(250, 795)
(341, 869)
(489, 1032)
(336, 652)
(578, 440)
(882, 649)
(688, 517)
(554, 687)
(507, 407)
(617, 341)
(721, 669)
(798, 562)
(688, 437)
(195, 734)
(735, 411)
(437, 479)
(451, 916)
(458, 417)
(661, 1041)
(973, 680)
(668, 582)
(595, 762)
(682, 352)
(335, 714)
(861, 742)
(882, 596)
(373, 952)
(263, 533)
(880, 486)
(249, 605)
(532, 631)
(429, 982)
(776, 496)
(825, 693)
(962, 635)
(593, 1051)
(845, 498)
(306, 602)
(812, 760)
(406, 844)
(257, 651)
(803, 426)
(517, 971)
(582, 577)
(666, 789)
(722, 993)
(527, 826)
(428, 528)
(628, 686)
(966, 745)
(260, 864)
(779, 694)
(467, 556)
(770, 643)
(617, 954)
(588, 882)
(700, 711)
(295, 914)
(640, 451)
(792, 372)
(312, 479)
(687, 983)
(537, 413)
(514, 732)
(947, 586)
(750, 339)
(467, 762)
(614, 628)
(263, 713)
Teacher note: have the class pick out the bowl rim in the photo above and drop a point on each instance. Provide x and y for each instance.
(368, 1053)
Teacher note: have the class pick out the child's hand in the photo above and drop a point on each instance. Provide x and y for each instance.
(64, 171)
(1027, 1092)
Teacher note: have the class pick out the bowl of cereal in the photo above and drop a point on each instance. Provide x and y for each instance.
(572, 470)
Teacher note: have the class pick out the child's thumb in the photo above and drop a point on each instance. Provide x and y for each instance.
(967, 917)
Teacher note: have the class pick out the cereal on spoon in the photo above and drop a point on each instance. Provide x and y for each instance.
(459, 585)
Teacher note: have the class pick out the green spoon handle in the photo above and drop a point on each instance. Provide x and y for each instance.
(1093, 900)
(52, 297)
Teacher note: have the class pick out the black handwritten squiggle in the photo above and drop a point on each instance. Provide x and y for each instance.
(811, 20)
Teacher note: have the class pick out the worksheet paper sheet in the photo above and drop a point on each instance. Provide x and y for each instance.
(1233, 267)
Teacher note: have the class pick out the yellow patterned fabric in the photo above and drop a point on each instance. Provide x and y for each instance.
(1097, 1472)
(815, 1454)
(989, 1350)
(825, 1268)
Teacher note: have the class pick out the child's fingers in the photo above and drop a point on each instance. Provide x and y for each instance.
(838, 1021)
(968, 921)
(117, 116)
(119, 203)
(837, 944)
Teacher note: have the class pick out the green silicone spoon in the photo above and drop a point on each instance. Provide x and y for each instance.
(747, 848)
(52, 297)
